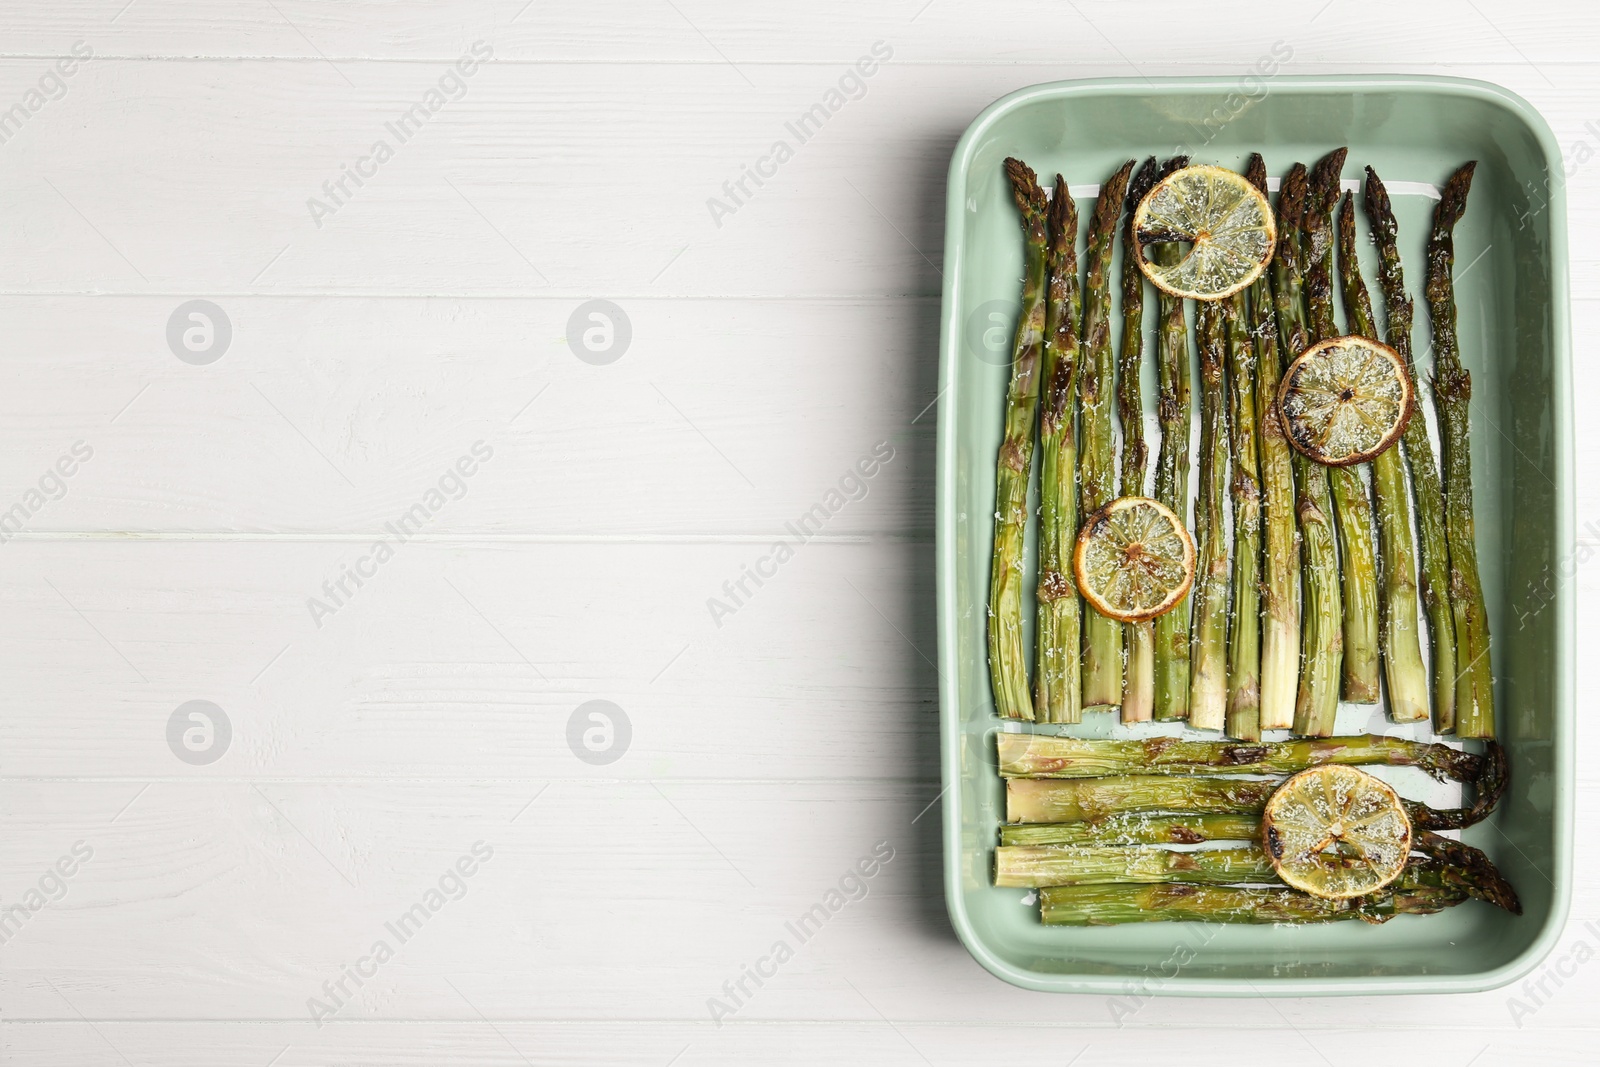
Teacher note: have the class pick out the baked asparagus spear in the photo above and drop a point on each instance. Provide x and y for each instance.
(1138, 688)
(1020, 866)
(1397, 551)
(1057, 633)
(1452, 395)
(1102, 637)
(1051, 865)
(1136, 829)
(1046, 756)
(1079, 799)
(1105, 905)
(1321, 636)
(1172, 489)
(1418, 449)
(1008, 661)
(1280, 566)
(1052, 800)
(1352, 507)
(1017, 866)
(1244, 637)
(1208, 682)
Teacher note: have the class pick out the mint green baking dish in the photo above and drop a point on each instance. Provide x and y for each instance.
(1512, 291)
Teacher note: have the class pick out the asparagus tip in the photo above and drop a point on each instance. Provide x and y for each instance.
(1255, 172)
(1024, 186)
(1063, 218)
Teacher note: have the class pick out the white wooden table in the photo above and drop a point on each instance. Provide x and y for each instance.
(223, 888)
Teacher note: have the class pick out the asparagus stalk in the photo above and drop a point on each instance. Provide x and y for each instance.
(1280, 571)
(1321, 639)
(1352, 507)
(1051, 800)
(1051, 865)
(1138, 690)
(1466, 870)
(1418, 449)
(1452, 396)
(1455, 865)
(1106, 905)
(1208, 693)
(1137, 829)
(1172, 489)
(1078, 799)
(1045, 756)
(1244, 640)
(1102, 637)
(1397, 551)
(1008, 662)
(1057, 634)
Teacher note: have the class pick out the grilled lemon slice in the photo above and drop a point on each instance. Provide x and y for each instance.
(1346, 400)
(1222, 217)
(1134, 559)
(1336, 832)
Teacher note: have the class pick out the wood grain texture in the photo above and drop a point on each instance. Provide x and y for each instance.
(467, 203)
(772, 745)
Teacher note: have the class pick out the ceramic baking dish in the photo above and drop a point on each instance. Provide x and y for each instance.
(1511, 282)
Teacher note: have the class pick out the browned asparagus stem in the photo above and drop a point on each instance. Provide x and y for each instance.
(1401, 643)
(1138, 689)
(1452, 395)
(1280, 568)
(1052, 800)
(1425, 484)
(1057, 633)
(1102, 637)
(1321, 638)
(1008, 661)
(1358, 563)
(1208, 684)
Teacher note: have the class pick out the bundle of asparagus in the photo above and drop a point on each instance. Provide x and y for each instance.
(1066, 828)
(1087, 820)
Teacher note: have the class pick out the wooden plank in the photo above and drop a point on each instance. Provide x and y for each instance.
(466, 663)
(340, 416)
(1093, 31)
(579, 180)
(517, 1044)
